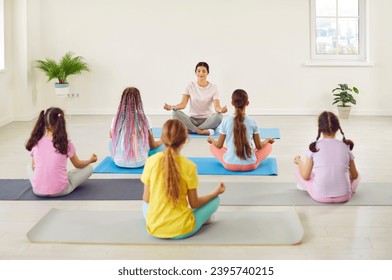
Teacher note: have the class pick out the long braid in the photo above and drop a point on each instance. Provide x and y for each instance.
(346, 141)
(239, 100)
(174, 134)
(312, 145)
(130, 125)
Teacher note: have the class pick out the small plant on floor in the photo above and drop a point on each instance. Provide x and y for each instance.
(343, 95)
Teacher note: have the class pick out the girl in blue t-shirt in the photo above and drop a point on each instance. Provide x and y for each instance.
(244, 150)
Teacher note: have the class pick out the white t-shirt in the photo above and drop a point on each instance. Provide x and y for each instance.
(201, 99)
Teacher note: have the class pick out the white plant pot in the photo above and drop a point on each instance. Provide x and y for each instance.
(62, 90)
(344, 112)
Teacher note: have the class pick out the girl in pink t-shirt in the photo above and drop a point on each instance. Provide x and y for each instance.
(201, 95)
(49, 147)
(328, 174)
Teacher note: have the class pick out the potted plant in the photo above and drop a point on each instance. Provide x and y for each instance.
(68, 65)
(343, 96)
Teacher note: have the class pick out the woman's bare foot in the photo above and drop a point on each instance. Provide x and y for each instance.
(205, 131)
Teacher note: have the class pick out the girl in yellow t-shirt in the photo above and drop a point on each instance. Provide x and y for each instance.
(170, 181)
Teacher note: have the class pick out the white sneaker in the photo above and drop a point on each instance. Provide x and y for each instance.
(210, 219)
(300, 187)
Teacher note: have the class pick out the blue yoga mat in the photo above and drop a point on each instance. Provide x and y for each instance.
(264, 133)
(108, 166)
(205, 166)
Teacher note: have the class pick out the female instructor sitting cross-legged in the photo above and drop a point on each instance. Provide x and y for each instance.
(201, 95)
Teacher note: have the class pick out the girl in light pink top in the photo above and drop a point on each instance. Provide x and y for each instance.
(49, 147)
(328, 174)
(201, 95)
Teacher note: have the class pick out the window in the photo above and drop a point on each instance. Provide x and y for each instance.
(1, 34)
(338, 30)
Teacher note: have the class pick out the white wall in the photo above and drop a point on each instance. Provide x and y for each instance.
(18, 84)
(6, 113)
(258, 45)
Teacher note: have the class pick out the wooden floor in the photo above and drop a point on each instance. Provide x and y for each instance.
(335, 232)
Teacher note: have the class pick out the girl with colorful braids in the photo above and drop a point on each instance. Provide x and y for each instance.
(328, 174)
(170, 183)
(50, 147)
(244, 150)
(131, 136)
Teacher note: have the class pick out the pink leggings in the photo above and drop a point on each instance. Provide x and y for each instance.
(260, 155)
(308, 185)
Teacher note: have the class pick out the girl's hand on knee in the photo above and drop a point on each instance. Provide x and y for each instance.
(220, 189)
(297, 160)
(93, 158)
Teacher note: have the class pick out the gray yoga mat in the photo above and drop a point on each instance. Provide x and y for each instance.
(237, 193)
(128, 227)
(279, 193)
(92, 189)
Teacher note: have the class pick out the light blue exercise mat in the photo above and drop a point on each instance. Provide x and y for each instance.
(107, 165)
(264, 133)
(205, 166)
(279, 227)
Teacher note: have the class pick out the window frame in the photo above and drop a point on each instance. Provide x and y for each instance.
(362, 58)
(2, 36)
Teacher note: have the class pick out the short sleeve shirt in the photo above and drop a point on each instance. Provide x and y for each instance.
(201, 99)
(163, 219)
(227, 128)
(50, 167)
(331, 167)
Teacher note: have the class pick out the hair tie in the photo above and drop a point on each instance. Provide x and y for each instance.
(59, 115)
(343, 135)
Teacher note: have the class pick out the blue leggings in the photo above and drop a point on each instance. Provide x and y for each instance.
(202, 214)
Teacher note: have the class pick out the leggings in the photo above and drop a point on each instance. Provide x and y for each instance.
(260, 156)
(308, 185)
(212, 122)
(202, 214)
(75, 178)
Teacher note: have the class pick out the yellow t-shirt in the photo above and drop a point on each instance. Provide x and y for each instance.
(164, 220)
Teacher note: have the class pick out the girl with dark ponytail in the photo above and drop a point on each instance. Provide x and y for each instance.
(329, 173)
(170, 183)
(240, 133)
(49, 147)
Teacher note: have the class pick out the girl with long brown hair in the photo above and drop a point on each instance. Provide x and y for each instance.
(170, 183)
(49, 147)
(131, 136)
(329, 173)
(244, 150)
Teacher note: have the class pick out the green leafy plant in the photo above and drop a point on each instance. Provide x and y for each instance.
(343, 95)
(68, 65)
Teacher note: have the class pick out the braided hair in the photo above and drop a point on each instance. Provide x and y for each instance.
(329, 123)
(130, 123)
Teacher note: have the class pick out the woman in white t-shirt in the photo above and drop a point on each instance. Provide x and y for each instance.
(201, 96)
